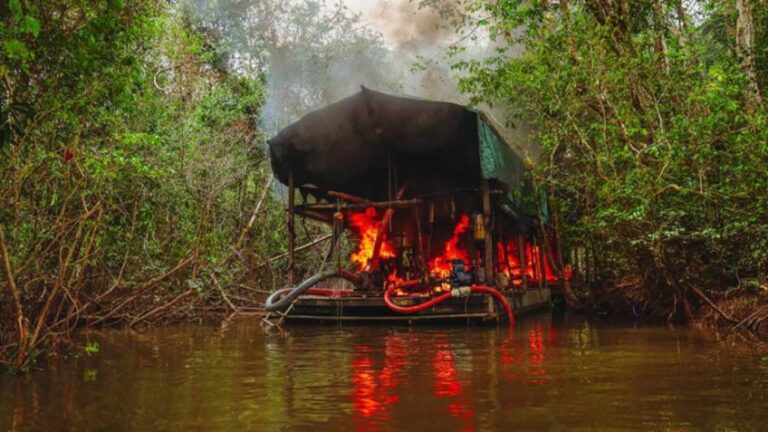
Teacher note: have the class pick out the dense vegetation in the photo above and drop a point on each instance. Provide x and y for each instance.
(652, 121)
(130, 167)
(134, 186)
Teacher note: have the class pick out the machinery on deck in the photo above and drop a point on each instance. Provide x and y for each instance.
(445, 222)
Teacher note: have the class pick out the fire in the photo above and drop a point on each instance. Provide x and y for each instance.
(514, 271)
(440, 266)
(512, 268)
(366, 226)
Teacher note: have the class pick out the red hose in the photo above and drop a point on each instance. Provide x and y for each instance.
(478, 289)
(442, 297)
(415, 308)
(500, 297)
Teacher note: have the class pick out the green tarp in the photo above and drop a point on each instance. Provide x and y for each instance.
(500, 161)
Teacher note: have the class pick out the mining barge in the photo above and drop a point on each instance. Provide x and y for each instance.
(444, 222)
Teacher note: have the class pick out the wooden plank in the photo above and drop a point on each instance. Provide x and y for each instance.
(358, 206)
(391, 318)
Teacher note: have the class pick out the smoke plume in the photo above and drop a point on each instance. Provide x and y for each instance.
(313, 53)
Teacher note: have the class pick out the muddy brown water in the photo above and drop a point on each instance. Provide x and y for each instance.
(550, 374)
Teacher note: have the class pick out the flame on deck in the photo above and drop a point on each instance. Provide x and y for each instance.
(366, 226)
(510, 266)
(440, 266)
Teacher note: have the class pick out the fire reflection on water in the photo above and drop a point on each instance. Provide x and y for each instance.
(448, 385)
(537, 355)
(373, 391)
(376, 390)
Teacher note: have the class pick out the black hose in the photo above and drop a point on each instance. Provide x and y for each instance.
(276, 302)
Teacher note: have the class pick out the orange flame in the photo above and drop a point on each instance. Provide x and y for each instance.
(440, 266)
(366, 226)
(514, 271)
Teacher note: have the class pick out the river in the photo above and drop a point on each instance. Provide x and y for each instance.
(550, 374)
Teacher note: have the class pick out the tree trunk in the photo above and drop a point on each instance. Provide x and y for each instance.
(566, 13)
(21, 321)
(556, 265)
(745, 45)
(660, 27)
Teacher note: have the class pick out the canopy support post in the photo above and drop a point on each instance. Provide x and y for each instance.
(542, 267)
(291, 230)
(488, 241)
(521, 257)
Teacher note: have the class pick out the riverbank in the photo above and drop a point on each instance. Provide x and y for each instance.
(738, 309)
(743, 313)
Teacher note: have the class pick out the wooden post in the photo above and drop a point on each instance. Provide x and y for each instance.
(521, 257)
(542, 267)
(291, 230)
(560, 262)
(488, 242)
(421, 259)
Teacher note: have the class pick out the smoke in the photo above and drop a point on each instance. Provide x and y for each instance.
(405, 25)
(420, 36)
(421, 33)
(313, 52)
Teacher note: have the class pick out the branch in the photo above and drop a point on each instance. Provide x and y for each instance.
(161, 308)
(712, 304)
(298, 249)
(20, 320)
(143, 287)
(252, 220)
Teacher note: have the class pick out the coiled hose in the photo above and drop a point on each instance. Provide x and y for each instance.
(279, 300)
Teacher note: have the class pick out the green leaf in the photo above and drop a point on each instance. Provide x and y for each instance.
(31, 25)
(15, 49)
(92, 348)
(15, 7)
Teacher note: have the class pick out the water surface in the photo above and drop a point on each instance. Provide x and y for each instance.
(548, 375)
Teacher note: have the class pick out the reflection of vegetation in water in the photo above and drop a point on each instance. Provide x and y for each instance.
(584, 338)
(90, 375)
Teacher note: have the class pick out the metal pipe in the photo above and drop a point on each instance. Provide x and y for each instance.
(279, 301)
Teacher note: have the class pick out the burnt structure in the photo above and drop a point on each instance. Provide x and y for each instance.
(435, 196)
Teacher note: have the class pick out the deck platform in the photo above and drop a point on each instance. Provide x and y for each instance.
(476, 307)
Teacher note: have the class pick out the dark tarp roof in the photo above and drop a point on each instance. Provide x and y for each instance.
(434, 146)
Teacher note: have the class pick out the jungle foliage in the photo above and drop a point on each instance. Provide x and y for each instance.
(652, 122)
(134, 186)
(129, 166)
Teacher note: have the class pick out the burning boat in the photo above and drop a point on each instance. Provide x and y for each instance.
(434, 197)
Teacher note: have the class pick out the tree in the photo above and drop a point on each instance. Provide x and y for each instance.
(652, 134)
(128, 159)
